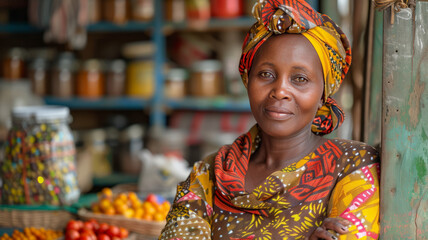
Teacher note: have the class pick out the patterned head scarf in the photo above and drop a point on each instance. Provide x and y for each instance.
(332, 46)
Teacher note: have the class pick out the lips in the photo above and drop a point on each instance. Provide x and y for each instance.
(278, 113)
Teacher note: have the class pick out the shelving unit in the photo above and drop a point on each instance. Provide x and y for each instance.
(158, 104)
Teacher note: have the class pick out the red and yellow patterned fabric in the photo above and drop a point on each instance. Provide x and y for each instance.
(338, 179)
(332, 46)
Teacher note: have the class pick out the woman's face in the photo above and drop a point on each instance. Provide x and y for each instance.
(285, 85)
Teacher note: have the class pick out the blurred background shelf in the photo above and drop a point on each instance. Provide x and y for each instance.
(208, 104)
(123, 103)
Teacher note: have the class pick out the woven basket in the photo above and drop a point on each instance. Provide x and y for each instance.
(143, 227)
(51, 219)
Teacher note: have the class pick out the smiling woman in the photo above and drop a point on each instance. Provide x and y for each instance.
(283, 179)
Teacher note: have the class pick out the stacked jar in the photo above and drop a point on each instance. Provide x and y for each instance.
(39, 166)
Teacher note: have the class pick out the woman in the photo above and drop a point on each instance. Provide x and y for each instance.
(282, 179)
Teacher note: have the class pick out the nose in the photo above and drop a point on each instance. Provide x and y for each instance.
(281, 89)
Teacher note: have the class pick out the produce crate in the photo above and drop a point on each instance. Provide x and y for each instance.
(145, 229)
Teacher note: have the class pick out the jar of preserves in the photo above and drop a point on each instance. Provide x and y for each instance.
(140, 75)
(90, 80)
(116, 11)
(226, 8)
(142, 10)
(39, 166)
(206, 79)
(62, 84)
(14, 64)
(115, 78)
(175, 83)
(38, 75)
(175, 10)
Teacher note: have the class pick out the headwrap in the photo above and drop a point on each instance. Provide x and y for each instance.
(331, 44)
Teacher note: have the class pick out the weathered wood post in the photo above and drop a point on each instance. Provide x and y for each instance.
(404, 179)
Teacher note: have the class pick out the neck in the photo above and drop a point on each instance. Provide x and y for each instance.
(276, 153)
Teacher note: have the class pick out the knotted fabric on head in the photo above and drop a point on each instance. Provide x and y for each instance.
(332, 46)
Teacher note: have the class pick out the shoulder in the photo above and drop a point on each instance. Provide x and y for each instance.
(354, 148)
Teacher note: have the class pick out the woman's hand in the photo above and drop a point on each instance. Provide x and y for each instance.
(337, 225)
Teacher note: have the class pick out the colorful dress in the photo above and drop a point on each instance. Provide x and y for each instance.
(338, 179)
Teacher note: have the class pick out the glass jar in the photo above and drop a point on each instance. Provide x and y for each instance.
(140, 75)
(38, 75)
(116, 11)
(206, 79)
(115, 78)
(142, 10)
(175, 83)
(226, 8)
(62, 84)
(39, 165)
(14, 64)
(90, 80)
(175, 10)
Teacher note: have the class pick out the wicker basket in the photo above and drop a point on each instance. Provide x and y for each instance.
(143, 227)
(52, 219)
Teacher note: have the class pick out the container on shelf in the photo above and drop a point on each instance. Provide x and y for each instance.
(175, 83)
(140, 70)
(96, 148)
(198, 13)
(90, 79)
(226, 8)
(116, 11)
(39, 166)
(206, 79)
(131, 143)
(142, 10)
(175, 10)
(63, 76)
(94, 11)
(38, 75)
(116, 78)
(14, 64)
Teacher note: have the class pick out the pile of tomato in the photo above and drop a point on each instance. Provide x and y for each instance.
(92, 230)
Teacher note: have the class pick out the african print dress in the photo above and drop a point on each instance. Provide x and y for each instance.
(338, 179)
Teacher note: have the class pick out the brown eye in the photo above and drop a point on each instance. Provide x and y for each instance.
(266, 75)
(300, 79)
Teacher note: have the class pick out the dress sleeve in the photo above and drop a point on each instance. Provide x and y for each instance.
(356, 199)
(191, 212)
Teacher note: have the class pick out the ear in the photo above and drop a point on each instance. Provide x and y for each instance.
(320, 103)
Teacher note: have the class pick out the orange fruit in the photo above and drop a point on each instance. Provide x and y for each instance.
(107, 192)
(158, 217)
(110, 211)
(149, 209)
(138, 213)
(129, 213)
(105, 204)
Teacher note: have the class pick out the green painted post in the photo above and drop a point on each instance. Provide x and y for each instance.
(373, 125)
(404, 191)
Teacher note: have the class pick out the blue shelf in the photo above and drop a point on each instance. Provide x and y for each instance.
(210, 104)
(112, 27)
(123, 103)
(215, 23)
(19, 28)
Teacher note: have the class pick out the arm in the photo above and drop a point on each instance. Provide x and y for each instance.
(356, 199)
(191, 212)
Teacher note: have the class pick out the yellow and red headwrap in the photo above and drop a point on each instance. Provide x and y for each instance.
(330, 43)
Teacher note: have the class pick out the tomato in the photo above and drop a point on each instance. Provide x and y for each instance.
(116, 238)
(88, 225)
(113, 231)
(103, 228)
(123, 233)
(86, 236)
(95, 225)
(73, 224)
(103, 237)
(151, 198)
(72, 234)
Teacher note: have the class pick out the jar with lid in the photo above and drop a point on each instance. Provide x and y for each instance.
(38, 75)
(39, 166)
(116, 11)
(14, 64)
(62, 84)
(206, 79)
(175, 10)
(90, 79)
(175, 83)
(142, 10)
(226, 8)
(115, 78)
